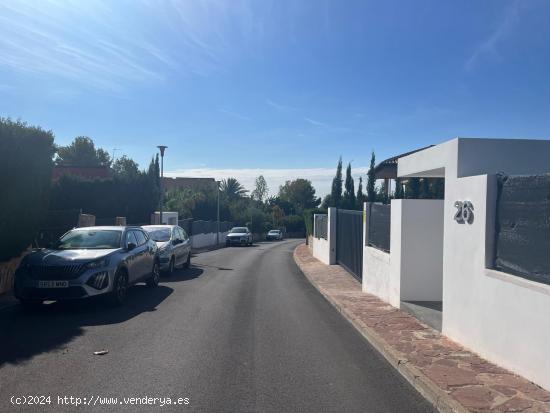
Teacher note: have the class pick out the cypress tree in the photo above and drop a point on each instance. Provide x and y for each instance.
(398, 194)
(413, 188)
(336, 192)
(349, 193)
(371, 180)
(360, 195)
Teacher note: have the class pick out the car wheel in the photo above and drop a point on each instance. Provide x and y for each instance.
(171, 267)
(188, 262)
(153, 280)
(120, 288)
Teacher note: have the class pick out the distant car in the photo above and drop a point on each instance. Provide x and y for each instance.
(88, 262)
(174, 246)
(238, 236)
(274, 234)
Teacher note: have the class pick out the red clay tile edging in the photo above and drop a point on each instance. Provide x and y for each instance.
(452, 378)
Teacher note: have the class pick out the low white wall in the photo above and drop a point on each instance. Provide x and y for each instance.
(502, 317)
(421, 238)
(206, 240)
(376, 272)
(321, 250)
(413, 270)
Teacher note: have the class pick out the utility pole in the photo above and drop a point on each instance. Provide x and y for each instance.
(218, 215)
(162, 149)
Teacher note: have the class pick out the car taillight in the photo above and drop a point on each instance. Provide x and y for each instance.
(99, 280)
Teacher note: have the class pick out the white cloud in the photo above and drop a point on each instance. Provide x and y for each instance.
(321, 178)
(315, 122)
(489, 45)
(280, 107)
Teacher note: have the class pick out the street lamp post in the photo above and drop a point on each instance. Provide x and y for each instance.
(218, 216)
(162, 148)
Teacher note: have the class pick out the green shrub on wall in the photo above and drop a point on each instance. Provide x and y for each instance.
(25, 175)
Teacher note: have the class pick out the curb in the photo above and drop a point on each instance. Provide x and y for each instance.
(442, 401)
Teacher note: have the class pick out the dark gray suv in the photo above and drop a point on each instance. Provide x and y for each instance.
(88, 262)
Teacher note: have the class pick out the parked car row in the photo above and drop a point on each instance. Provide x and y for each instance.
(101, 261)
(107, 260)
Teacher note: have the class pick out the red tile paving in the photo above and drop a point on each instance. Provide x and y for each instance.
(450, 376)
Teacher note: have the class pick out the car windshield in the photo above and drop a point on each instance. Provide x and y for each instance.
(90, 239)
(273, 231)
(238, 230)
(158, 234)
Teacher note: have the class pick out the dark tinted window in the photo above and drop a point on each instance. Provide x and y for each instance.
(184, 234)
(130, 238)
(140, 237)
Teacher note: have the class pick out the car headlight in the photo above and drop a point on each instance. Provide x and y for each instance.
(98, 264)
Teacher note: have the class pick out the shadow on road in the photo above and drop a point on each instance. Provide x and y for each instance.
(183, 275)
(25, 334)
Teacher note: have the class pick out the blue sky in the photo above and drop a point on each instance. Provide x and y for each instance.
(239, 88)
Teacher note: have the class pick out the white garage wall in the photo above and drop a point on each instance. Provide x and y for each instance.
(206, 240)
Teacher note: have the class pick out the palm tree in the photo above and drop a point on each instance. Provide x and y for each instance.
(232, 188)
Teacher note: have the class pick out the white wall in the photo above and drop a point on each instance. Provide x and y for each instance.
(413, 270)
(168, 218)
(502, 317)
(376, 272)
(421, 263)
(206, 240)
(321, 250)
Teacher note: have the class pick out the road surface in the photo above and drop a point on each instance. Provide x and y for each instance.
(241, 331)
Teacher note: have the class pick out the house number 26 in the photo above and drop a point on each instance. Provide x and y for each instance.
(464, 212)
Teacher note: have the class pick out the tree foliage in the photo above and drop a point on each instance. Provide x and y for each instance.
(360, 195)
(348, 201)
(82, 152)
(260, 191)
(232, 189)
(25, 178)
(300, 193)
(336, 190)
(371, 180)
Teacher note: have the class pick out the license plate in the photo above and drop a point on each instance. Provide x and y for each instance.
(53, 284)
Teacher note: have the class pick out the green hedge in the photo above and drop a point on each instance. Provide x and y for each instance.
(25, 177)
(134, 198)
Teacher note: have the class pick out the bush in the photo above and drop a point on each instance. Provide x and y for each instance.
(134, 198)
(294, 223)
(25, 182)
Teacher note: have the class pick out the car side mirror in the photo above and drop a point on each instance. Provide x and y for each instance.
(131, 246)
(176, 241)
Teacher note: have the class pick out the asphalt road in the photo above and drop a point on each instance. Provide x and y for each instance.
(240, 331)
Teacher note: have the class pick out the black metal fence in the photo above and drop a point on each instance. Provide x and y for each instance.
(321, 226)
(349, 241)
(523, 227)
(379, 224)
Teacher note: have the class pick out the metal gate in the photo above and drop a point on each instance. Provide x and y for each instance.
(349, 241)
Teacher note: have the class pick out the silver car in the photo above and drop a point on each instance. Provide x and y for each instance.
(238, 236)
(88, 262)
(174, 246)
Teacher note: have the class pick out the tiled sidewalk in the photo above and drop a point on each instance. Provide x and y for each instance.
(451, 377)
